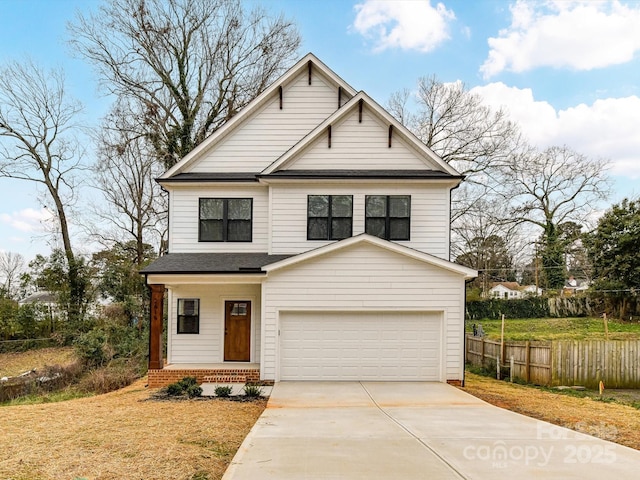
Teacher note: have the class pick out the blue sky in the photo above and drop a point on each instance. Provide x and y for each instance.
(567, 71)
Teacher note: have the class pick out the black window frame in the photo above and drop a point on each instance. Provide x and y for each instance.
(329, 219)
(225, 220)
(181, 318)
(388, 218)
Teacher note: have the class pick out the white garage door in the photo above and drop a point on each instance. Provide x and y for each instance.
(360, 346)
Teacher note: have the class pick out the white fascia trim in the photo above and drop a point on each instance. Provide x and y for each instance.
(208, 183)
(447, 182)
(468, 273)
(254, 105)
(173, 279)
(289, 156)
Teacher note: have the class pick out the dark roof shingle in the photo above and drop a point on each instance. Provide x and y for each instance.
(212, 263)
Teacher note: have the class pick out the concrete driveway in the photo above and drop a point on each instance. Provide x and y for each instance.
(389, 430)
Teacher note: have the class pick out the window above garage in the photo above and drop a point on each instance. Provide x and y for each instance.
(329, 217)
(388, 216)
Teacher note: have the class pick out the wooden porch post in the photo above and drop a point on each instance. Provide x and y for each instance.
(155, 327)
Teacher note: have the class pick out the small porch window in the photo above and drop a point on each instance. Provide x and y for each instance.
(188, 315)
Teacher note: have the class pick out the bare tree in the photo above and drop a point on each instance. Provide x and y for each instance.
(454, 123)
(135, 210)
(11, 268)
(38, 144)
(483, 241)
(192, 64)
(549, 189)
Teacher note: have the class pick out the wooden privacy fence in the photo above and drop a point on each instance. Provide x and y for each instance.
(584, 362)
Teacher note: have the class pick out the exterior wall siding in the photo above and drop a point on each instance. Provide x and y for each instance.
(356, 145)
(429, 215)
(263, 137)
(365, 277)
(184, 213)
(208, 345)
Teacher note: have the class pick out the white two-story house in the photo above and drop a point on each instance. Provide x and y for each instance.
(309, 240)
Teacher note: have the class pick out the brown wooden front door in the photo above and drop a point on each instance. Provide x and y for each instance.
(237, 331)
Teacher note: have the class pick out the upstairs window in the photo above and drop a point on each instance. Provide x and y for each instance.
(329, 217)
(388, 216)
(188, 315)
(225, 220)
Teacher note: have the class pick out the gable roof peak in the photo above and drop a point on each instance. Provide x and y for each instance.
(307, 61)
(360, 98)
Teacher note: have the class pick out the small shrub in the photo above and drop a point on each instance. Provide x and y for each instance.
(194, 391)
(188, 386)
(223, 391)
(90, 348)
(187, 382)
(252, 391)
(174, 390)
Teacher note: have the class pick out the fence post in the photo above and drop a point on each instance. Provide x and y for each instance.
(482, 352)
(527, 361)
(511, 365)
(502, 349)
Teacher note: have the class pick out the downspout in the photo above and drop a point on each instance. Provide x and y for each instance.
(168, 217)
(464, 309)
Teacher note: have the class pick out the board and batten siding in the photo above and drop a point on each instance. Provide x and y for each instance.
(429, 214)
(359, 146)
(184, 215)
(208, 345)
(365, 277)
(269, 132)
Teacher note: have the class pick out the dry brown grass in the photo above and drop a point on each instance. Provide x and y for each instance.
(611, 421)
(123, 435)
(16, 363)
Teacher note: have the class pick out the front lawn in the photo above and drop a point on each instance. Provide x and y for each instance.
(584, 328)
(123, 435)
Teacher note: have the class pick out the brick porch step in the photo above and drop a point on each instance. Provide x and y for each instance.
(230, 378)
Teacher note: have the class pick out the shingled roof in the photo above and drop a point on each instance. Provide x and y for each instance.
(220, 263)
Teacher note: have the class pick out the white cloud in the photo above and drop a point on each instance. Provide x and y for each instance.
(605, 129)
(404, 24)
(580, 35)
(27, 220)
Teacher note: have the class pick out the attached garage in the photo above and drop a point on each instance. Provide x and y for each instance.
(363, 309)
(383, 345)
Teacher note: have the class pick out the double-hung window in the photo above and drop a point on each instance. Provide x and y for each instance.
(225, 220)
(188, 315)
(388, 216)
(329, 217)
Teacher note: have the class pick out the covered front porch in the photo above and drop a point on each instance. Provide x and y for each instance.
(213, 304)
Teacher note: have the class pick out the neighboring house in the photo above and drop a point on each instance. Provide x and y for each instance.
(532, 291)
(44, 297)
(573, 286)
(309, 240)
(506, 290)
(45, 300)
